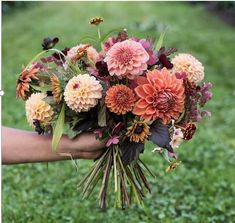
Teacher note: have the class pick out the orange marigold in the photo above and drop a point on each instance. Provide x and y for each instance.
(26, 76)
(161, 95)
(120, 99)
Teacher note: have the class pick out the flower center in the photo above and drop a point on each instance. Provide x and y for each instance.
(122, 98)
(124, 56)
(75, 86)
(164, 101)
(139, 128)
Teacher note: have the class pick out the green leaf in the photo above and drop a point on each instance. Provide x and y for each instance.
(43, 88)
(85, 38)
(160, 40)
(104, 37)
(58, 130)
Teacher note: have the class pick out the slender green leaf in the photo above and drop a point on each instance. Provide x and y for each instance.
(160, 40)
(58, 130)
(85, 38)
(43, 88)
(104, 37)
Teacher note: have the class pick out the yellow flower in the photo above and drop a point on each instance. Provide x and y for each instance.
(173, 165)
(37, 109)
(96, 21)
(56, 88)
(138, 131)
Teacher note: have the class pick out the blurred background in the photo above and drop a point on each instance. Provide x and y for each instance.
(202, 189)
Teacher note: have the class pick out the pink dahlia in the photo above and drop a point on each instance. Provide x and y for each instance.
(127, 59)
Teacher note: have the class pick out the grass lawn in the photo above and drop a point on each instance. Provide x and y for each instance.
(202, 189)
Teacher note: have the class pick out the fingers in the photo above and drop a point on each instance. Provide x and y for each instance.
(88, 142)
(88, 155)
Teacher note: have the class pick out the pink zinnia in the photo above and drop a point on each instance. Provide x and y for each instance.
(127, 59)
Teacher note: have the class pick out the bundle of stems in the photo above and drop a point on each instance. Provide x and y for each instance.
(129, 182)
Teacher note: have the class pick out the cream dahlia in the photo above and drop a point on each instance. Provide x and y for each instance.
(187, 63)
(127, 59)
(161, 95)
(37, 109)
(120, 99)
(78, 51)
(82, 92)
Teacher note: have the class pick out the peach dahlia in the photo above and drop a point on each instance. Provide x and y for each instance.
(37, 109)
(127, 59)
(161, 96)
(82, 92)
(194, 69)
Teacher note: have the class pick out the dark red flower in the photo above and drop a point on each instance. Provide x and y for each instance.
(190, 129)
(49, 42)
(102, 68)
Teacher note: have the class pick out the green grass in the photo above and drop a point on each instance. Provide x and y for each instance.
(202, 189)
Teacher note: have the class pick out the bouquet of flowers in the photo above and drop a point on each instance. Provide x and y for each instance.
(127, 91)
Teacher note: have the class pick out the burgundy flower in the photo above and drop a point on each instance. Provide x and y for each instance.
(189, 131)
(102, 68)
(38, 127)
(49, 42)
(59, 56)
(165, 61)
(162, 58)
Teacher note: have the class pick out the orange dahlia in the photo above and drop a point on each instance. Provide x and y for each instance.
(26, 76)
(161, 95)
(120, 99)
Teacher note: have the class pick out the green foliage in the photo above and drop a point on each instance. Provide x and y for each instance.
(201, 189)
(160, 40)
(58, 129)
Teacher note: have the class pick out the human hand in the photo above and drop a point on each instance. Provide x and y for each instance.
(19, 146)
(84, 146)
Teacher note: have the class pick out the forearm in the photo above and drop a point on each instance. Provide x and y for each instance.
(25, 147)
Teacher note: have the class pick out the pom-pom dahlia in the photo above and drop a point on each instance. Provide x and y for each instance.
(82, 92)
(37, 109)
(120, 99)
(127, 59)
(187, 63)
(161, 95)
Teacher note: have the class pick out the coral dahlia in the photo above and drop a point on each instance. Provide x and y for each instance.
(161, 95)
(127, 59)
(187, 63)
(82, 92)
(120, 99)
(37, 109)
